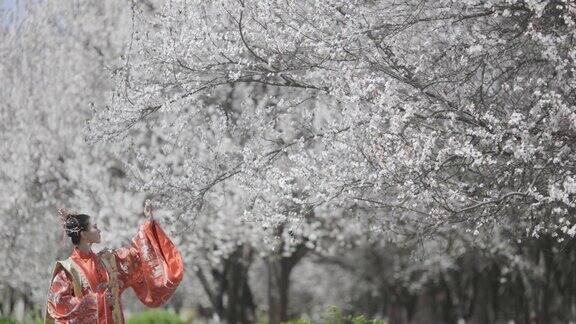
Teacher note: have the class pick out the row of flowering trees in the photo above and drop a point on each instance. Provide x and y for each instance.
(449, 111)
(410, 160)
(53, 59)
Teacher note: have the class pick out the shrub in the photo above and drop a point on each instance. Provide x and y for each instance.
(155, 317)
(7, 320)
(335, 316)
(298, 321)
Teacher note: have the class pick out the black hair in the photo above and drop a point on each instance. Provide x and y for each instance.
(76, 223)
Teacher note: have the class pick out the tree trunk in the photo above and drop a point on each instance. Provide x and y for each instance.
(240, 306)
(278, 284)
(397, 314)
(279, 269)
(229, 291)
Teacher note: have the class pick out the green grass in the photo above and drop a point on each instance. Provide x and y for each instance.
(155, 317)
(7, 320)
(335, 316)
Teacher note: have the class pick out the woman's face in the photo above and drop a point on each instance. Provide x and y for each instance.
(92, 234)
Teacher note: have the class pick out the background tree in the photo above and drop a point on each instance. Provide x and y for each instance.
(54, 61)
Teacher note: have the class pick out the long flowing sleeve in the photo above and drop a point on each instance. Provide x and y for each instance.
(152, 265)
(63, 306)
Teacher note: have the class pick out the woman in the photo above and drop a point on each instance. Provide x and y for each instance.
(86, 287)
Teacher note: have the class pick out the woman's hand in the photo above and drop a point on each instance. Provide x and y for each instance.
(148, 209)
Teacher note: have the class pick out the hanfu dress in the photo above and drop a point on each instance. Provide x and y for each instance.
(151, 266)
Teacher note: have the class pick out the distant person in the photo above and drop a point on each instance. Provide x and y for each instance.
(86, 287)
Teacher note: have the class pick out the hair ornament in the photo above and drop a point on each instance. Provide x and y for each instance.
(63, 216)
(69, 224)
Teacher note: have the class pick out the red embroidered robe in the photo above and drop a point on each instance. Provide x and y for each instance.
(152, 266)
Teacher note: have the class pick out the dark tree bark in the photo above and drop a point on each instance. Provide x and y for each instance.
(230, 293)
(240, 303)
(279, 270)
